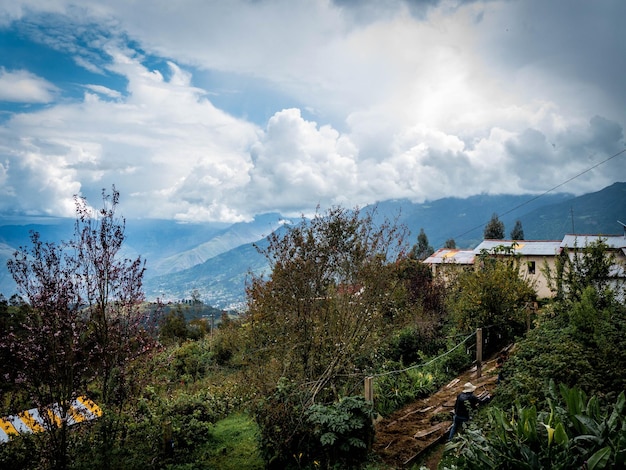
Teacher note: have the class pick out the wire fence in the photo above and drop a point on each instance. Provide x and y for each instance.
(415, 366)
(394, 388)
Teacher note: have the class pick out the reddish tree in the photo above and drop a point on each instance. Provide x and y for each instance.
(83, 325)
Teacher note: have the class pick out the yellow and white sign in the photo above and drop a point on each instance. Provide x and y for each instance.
(30, 421)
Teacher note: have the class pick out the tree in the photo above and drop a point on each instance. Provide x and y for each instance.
(331, 287)
(111, 288)
(450, 244)
(518, 232)
(332, 294)
(494, 230)
(494, 294)
(425, 299)
(578, 268)
(422, 249)
(83, 324)
(173, 327)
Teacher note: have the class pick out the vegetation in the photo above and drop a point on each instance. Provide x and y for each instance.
(422, 249)
(494, 230)
(450, 243)
(493, 295)
(80, 327)
(577, 347)
(518, 232)
(574, 432)
(282, 385)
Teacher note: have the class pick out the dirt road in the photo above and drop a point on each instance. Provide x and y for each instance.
(404, 436)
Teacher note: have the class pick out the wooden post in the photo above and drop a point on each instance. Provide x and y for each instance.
(479, 352)
(369, 389)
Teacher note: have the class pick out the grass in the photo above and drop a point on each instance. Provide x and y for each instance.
(234, 445)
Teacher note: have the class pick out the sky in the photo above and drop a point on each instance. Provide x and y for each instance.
(212, 110)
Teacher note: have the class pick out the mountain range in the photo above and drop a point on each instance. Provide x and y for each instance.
(215, 259)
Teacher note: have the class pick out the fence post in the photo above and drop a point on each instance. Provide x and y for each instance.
(369, 389)
(479, 352)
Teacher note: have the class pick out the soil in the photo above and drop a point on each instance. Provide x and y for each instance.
(412, 435)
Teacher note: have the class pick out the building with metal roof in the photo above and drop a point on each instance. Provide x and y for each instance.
(535, 256)
(446, 259)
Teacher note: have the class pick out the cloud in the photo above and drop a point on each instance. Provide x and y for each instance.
(102, 90)
(147, 144)
(21, 86)
(298, 165)
(397, 99)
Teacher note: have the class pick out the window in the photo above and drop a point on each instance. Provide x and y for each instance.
(531, 267)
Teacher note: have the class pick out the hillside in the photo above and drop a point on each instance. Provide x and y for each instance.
(216, 259)
(222, 279)
(594, 213)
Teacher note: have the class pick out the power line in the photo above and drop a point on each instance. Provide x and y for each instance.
(548, 191)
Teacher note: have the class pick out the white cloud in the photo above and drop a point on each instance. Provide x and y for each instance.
(298, 165)
(149, 145)
(21, 86)
(443, 99)
(102, 90)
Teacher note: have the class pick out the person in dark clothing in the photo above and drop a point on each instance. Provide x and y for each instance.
(464, 401)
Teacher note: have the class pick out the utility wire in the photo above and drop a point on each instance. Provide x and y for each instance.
(548, 191)
(389, 372)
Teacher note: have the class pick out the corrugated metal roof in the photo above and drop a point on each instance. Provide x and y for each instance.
(452, 256)
(523, 247)
(580, 241)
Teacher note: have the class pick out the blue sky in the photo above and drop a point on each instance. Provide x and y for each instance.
(204, 110)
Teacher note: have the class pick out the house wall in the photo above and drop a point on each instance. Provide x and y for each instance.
(538, 278)
(444, 270)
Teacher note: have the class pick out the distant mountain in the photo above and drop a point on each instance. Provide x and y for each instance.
(218, 243)
(591, 214)
(220, 281)
(464, 219)
(216, 259)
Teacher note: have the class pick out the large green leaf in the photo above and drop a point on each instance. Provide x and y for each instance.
(600, 459)
(560, 435)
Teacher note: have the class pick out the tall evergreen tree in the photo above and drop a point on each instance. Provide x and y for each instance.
(494, 230)
(450, 244)
(422, 249)
(518, 232)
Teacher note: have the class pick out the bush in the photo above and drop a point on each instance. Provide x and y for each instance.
(409, 344)
(344, 431)
(191, 360)
(394, 390)
(19, 453)
(570, 352)
(578, 434)
(294, 434)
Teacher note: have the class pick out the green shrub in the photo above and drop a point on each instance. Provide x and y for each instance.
(410, 344)
(343, 430)
(570, 351)
(190, 361)
(394, 390)
(19, 453)
(294, 434)
(579, 434)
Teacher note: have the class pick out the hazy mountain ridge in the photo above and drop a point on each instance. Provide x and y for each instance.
(216, 259)
(234, 236)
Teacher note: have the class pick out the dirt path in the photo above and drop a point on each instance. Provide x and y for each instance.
(404, 436)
